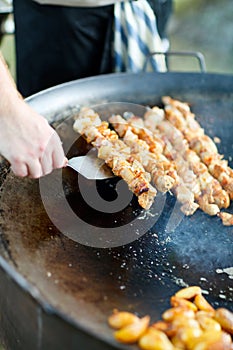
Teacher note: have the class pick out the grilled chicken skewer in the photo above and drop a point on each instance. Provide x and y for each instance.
(185, 186)
(134, 128)
(168, 146)
(179, 114)
(207, 191)
(151, 136)
(189, 166)
(138, 126)
(213, 196)
(153, 162)
(116, 154)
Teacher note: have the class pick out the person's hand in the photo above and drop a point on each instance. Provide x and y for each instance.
(28, 142)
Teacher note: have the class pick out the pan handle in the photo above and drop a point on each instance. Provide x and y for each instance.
(198, 55)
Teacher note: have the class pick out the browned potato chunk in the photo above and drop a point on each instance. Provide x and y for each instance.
(179, 302)
(185, 336)
(133, 332)
(155, 340)
(202, 303)
(188, 292)
(213, 341)
(225, 318)
(166, 327)
(177, 312)
(207, 323)
(121, 319)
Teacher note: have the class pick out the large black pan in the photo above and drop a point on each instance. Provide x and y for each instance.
(56, 293)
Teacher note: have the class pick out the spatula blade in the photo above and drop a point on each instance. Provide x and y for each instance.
(91, 167)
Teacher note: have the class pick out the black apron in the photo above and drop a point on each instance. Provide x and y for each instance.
(56, 44)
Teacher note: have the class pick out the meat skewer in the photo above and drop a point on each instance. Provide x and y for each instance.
(179, 114)
(182, 191)
(151, 136)
(208, 183)
(116, 154)
(168, 147)
(153, 162)
(186, 188)
(207, 191)
(210, 191)
(138, 126)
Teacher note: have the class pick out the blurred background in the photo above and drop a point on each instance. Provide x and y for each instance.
(196, 25)
(205, 26)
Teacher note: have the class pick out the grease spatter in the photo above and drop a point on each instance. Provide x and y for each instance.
(228, 271)
(122, 287)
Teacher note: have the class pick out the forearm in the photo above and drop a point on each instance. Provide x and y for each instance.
(27, 141)
(8, 92)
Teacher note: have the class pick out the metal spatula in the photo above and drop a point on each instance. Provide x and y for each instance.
(89, 165)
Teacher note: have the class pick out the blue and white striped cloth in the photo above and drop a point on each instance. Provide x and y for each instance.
(135, 36)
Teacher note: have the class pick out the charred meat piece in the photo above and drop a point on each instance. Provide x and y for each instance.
(115, 153)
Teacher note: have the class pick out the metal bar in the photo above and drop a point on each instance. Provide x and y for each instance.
(198, 55)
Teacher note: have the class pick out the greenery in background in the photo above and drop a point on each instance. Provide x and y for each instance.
(8, 51)
(182, 6)
(205, 26)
